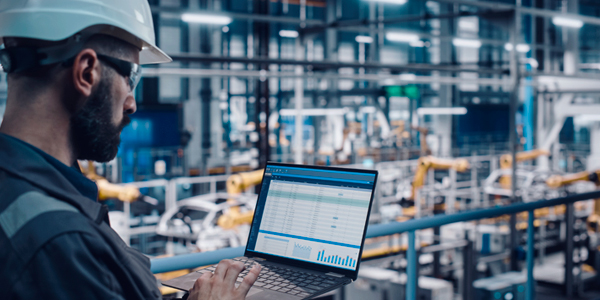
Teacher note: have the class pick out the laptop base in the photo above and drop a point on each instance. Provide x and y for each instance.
(276, 281)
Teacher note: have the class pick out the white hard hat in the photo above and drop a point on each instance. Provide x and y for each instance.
(55, 20)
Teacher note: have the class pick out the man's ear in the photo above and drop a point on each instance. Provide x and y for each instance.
(86, 72)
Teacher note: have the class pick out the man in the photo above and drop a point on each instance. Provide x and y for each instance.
(72, 68)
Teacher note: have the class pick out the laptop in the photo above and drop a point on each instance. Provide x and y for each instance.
(308, 231)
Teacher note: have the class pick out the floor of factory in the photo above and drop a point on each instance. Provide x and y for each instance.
(546, 293)
(542, 293)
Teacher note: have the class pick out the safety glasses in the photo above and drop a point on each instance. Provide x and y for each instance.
(129, 70)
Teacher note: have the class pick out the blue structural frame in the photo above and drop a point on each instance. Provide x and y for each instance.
(188, 261)
(530, 290)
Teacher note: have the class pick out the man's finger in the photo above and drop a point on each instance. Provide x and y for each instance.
(233, 272)
(249, 280)
(222, 268)
(203, 280)
(202, 285)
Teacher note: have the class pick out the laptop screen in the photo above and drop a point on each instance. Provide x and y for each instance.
(312, 214)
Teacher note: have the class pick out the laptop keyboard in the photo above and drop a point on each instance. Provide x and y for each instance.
(284, 280)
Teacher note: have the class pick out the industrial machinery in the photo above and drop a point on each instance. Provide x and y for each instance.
(506, 162)
(195, 221)
(531, 185)
(510, 285)
(106, 190)
(431, 163)
(399, 132)
(425, 150)
(593, 221)
(236, 184)
(213, 221)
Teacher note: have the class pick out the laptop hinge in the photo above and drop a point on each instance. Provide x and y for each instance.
(259, 259)
(334, 274)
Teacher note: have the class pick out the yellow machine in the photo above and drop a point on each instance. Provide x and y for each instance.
(107, 190)
(236, 184)
(429, 162)
(557, 181)
(423, 139)
(426, 163)
(506, 163)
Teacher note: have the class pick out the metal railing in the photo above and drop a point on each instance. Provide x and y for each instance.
(193, 260)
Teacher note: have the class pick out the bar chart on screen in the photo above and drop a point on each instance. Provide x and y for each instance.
(346, 261)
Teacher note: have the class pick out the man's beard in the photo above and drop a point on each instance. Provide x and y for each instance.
(93, 134)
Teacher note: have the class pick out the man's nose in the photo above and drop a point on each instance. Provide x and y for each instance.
(129, 107)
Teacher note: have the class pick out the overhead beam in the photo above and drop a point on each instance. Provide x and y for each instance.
(177, 11)
(190, 57)
(403, 19)
(524, 10)
(387, 79)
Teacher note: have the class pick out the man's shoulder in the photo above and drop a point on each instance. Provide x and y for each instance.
(29, 217)
(11, 187)
(29, 206)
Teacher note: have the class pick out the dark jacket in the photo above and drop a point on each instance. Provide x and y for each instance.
(56, 242)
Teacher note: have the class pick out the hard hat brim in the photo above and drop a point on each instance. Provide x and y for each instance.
(153, 55)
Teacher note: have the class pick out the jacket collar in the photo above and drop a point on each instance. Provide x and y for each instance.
(23, 161)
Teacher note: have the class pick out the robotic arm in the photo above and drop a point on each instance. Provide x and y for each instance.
(506, 163)
(107, 190)
(506, 159)
(557, 181)
(429, 162)
(423, 139)
(236, 184)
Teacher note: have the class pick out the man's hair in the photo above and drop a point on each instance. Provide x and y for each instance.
(43, 76)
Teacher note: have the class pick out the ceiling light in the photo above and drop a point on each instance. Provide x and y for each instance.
(368, 109)
(418, 44)
(205, 19)
(523, 48)
(397, 2)
(466, 43)
(288, 33)
(314, 112)
(408, 77)
(364, 39)
(401, 37)
(441, 111)
(567, 22)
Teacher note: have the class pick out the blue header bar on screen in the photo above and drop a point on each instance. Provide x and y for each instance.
(324, 178)
(356, 177)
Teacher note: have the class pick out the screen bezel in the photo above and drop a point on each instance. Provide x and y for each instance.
(353, 274)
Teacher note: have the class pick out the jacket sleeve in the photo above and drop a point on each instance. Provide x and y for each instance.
(70, 266)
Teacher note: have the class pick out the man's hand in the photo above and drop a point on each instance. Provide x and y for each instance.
(221, 284)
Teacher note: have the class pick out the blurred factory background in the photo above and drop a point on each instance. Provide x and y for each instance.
(462, 105)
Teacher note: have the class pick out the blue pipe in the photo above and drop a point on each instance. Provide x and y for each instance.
(188, 261)
(411, 268)
(194, 260)
(530, 260)
(440, 220)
